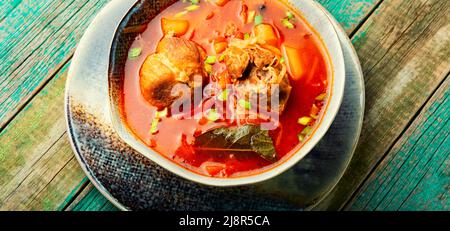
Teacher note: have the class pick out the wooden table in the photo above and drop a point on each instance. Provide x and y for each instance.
(402, 160)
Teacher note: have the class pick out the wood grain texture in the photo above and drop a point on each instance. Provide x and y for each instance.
(36, 39)
(37, 167)
(416, 173)
(405, 54)
(90, 199)
(403, 63)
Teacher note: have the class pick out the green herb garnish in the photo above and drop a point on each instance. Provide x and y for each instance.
(223, 96)
(290, 15)
(134, 52)
(211, 60)
(213, 116)
(259, 19)
(245, 104)
(286, 23)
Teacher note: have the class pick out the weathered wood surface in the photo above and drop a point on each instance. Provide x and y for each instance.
(36, 39)
(415, 175)
(404, 49)
(403, 63)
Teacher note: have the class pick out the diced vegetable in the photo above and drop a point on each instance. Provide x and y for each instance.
(221, 2)
(181, 14)
(195, 1)
(223, 96)
(301, 137)
(259, 19)
(192, 7)
(315, 111)
(246, 36)
(290, 15)
(245, 104)
(305, 121)
(154, 126)
(286, 23)
(211, 59)
(213, 168)
(294, 60)
(266, 32)
(321, 97)
(213, 116)
(251, 16)
(177, 27)
(306, 131)
(208, 68)
(222, 58)
(134, 52)
(220, 47)
(162, 114)
(282, 60)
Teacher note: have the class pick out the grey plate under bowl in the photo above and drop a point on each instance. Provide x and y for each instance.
(132, 182)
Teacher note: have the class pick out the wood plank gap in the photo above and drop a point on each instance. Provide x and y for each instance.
(364, 20)
(76, 194)
(34, 93)
(372, 171)
(32, 165)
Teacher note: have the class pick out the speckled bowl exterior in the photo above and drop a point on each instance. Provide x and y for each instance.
(133, 182)
(134, 23)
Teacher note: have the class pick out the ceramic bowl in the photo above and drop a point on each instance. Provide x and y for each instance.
(134, 23)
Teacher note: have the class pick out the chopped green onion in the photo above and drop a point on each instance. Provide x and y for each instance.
(301, 137)
(222, 57)
(181, 14)
(246, 36)
(223, 96)
(208, 68)
(154, 126)
(134, 52)
(195, 1)
(304, 121)
(245, 104)
(321, 97)
(287, 24)
(211, 60)
(306, 131)
(290, 15)
(282, 60)
(259, 19)
(161, 114)
(213, 116)
(192, 7)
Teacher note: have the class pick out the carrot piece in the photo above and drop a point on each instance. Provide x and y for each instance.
(266, 32)
(221, 2)
(220, 47)
(294, 60)
(177, 27)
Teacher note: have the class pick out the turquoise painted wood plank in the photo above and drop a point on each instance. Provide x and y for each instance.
(36, 39)
(6, 7)
(350, 13)
(416, 174)
(94, 201)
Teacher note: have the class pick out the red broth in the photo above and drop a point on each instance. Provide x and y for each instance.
(175, 134)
